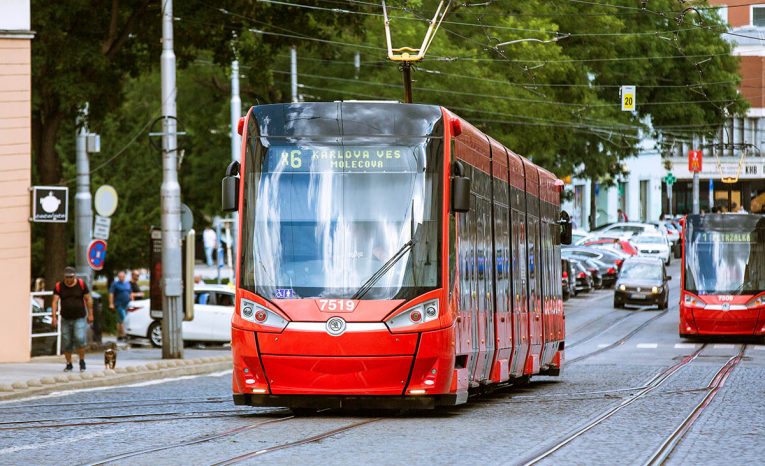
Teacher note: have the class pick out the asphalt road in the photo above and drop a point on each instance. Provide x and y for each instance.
(628, 384)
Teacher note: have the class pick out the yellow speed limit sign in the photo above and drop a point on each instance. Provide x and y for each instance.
(628, 98)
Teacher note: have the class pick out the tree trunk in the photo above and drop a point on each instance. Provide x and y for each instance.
(49, 168)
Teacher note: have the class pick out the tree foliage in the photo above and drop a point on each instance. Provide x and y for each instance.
(541, 77)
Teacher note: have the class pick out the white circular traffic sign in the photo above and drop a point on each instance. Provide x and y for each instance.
(105, 200)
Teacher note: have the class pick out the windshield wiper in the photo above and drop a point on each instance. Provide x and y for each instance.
(383, 270)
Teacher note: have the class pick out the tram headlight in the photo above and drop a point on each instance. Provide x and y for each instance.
(257, 314)
(421, 313)
(692, 301)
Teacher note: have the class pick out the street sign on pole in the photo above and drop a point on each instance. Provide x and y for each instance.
(101, 227)
(694, 161)
(97, 254)
(105, 200)
(670, 179)
(50, 204)
(628, 98)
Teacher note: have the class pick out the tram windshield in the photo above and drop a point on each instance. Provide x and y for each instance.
(725, 254)
(325, 218)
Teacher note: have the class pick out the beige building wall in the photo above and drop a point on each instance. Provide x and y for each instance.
(15, 180)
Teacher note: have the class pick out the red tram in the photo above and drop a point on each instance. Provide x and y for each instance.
(723, 275)
(390, 255)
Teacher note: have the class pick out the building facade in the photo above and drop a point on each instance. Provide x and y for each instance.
(15, 178)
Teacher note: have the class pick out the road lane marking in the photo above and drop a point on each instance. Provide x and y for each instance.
(58, 441)
(723, 346)
(603, 345)
(686, 345)
(759, 347)
(648, 345)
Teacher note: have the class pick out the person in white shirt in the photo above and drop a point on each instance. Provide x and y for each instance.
(210, 240)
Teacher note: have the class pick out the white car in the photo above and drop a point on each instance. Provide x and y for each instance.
(653, 245)
(213, 309)
(626, 228)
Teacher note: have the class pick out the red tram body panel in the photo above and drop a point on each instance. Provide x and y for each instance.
(723, 275)
(358, 286)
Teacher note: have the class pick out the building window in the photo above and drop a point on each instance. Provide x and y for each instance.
(758, 16)
(722, 12)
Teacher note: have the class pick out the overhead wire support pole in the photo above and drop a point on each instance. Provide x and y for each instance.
(409, 55)
(83, 205)
(172, 284)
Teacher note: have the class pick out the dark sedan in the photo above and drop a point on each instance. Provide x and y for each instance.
(642, 281)
(583, 281)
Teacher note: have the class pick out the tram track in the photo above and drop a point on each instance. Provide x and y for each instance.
(189, 442)
(620, 341)
(296, 443)
(108, 420)
(662, 454)
(654, 383)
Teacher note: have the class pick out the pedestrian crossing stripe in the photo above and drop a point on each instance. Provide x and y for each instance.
(686, 345)
(718, 346)
(603, 345)
(648, 345)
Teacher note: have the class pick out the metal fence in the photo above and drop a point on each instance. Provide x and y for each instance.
(40, 316)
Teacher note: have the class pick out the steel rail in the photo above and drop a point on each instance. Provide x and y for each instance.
(120, 416)
(662, 454)
(161, 401)
(620, 341)
(284, 446)
(190, 442)
(654, 383)
(121, 421)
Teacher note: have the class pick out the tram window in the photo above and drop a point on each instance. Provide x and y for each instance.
(453, 253)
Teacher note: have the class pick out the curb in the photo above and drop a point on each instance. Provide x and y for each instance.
(166, 368)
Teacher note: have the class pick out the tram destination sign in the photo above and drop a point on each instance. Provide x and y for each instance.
(341, 159)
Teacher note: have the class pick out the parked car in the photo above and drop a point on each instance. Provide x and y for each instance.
(565, 283)
(609, 256)
(607, 272)
(213, 309)
(583, 281)
(42, 346)
(653, 245)
(616, 243)
(622, 228)
(642, 281)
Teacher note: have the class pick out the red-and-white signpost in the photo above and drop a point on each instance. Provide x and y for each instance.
(694, 166)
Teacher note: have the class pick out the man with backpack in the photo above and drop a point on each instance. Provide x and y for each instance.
(72, 298)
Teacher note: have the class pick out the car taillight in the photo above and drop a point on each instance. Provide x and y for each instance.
(418, 314)
(132, 308)
(611, 271)
(581, 275)
(619, 263)
(565, 274)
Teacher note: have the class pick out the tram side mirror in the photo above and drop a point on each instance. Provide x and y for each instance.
(566, 230)
(460, 189)
(230, 188)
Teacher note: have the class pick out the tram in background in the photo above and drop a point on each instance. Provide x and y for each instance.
(723, 275)
(390, 255)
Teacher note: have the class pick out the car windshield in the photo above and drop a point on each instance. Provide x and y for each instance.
(321, 216)
(641, 271)
(725, 254)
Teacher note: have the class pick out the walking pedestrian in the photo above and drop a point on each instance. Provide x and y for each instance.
(210, 240)
(621, 216)
(119, 298)
(72, 298)
(134, 287)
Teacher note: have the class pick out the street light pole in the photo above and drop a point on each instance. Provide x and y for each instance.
(82, 204)
(172, 286)
(236, 142)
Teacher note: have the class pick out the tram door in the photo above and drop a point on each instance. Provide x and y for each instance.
(520, 309)
(484, 325)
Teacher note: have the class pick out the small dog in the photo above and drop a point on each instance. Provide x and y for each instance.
(110, 358)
